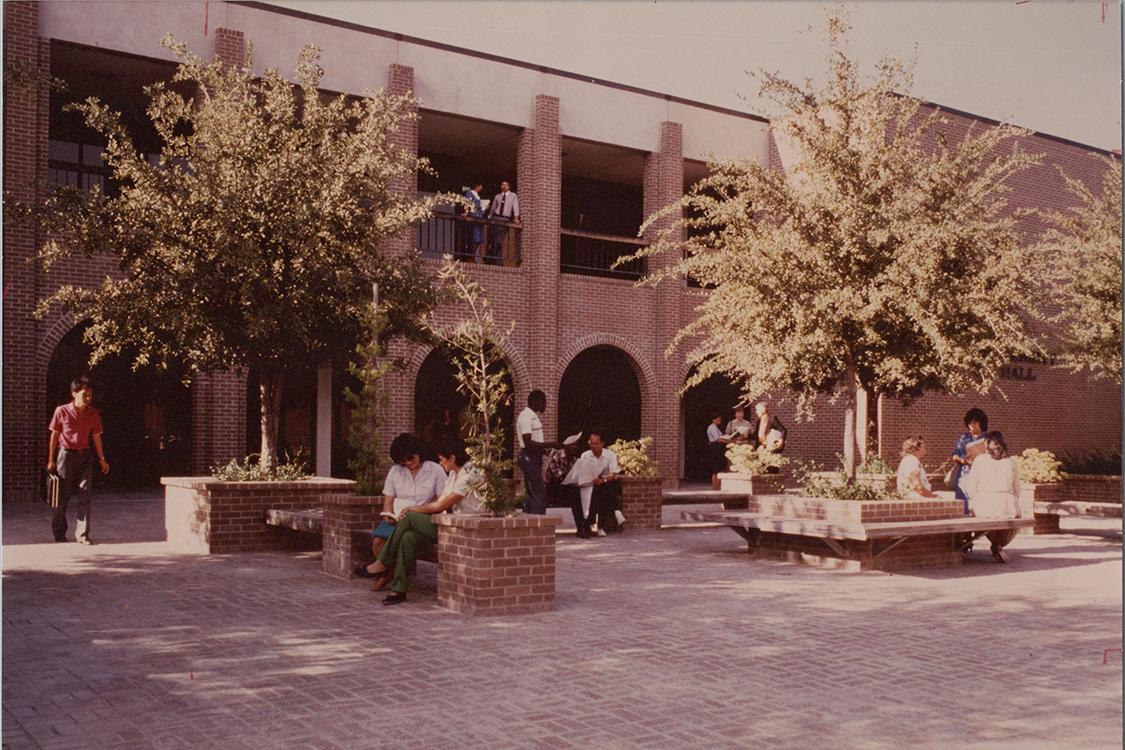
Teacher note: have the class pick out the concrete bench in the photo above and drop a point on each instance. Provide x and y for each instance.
(867, 544)
(1047, 514)
(312, 521)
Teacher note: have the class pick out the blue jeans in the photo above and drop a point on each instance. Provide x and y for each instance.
(531, 464)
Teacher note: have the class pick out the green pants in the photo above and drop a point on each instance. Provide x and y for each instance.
(401, 550)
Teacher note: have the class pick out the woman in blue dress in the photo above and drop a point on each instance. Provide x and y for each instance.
(976, 422)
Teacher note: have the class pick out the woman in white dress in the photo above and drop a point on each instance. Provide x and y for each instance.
(993, 487)
(911, 480)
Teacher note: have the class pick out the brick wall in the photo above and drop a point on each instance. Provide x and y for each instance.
(346, 536)
(935, 551)
(496, 566)
(642, 501)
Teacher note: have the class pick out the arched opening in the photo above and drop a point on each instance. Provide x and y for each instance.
(439, 406)
(716, 393)
(600, 391)
(146, 412)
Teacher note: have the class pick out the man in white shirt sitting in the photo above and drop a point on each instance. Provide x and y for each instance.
(603, 497)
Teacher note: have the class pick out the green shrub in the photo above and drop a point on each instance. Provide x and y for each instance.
(250, 470)
(1039, 467)
(747, 459)
(839, 486)
(1094, 462)
(633, 459)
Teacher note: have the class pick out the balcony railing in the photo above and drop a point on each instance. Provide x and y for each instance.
(465, 238)
(590, 254)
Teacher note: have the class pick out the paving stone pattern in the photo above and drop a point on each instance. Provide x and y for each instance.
(668, 639)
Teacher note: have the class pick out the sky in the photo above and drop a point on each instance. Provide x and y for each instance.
(1054, 67)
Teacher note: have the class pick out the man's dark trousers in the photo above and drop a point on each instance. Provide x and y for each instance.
(531, 464)
(76, 477)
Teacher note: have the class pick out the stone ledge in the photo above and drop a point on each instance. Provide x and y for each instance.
(483, 523)
(210, 484)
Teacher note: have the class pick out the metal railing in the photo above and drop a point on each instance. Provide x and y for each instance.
(469, 239)
(590, 254)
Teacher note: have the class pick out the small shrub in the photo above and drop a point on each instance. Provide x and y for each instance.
(250, 470)
(1094, 462)
(839, 486)
(633, 459)
(1039, 467)
(875, 464)
(747, 459)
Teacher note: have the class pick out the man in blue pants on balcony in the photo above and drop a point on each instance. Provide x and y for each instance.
(529, 432)
(506, 207)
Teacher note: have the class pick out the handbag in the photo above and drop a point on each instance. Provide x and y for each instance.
(52, 487)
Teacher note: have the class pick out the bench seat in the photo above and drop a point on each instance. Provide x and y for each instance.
(312, 521)
(1076, 508)
(855, 531)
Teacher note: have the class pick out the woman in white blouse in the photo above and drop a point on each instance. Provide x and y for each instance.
(415, 525)
(911, 480)
(993, 487)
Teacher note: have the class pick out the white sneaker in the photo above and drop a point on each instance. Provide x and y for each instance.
(601, 532)
(620, 516)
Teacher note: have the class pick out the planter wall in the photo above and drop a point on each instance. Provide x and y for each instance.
(1083, 488)
(855, 511)
(348, 521)
(749, 484)
(207, 515)
(642, 501)
(496, 566)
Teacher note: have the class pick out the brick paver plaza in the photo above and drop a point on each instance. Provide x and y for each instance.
(669, 639)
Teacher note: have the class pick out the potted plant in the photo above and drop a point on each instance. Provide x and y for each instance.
(1040, 481)
(642, 489)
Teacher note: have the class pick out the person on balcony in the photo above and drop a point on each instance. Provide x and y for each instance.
(476, 231)
(505, 207)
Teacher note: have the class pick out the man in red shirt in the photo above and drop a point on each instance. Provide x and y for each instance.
(74, 427)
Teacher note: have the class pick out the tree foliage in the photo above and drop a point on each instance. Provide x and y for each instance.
(882, 257)
(251, 239)
(1085, 247)
(478, 346)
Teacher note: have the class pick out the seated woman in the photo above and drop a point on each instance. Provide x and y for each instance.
(415, 525)
(911, 480)
(993, 486)
(411, 481)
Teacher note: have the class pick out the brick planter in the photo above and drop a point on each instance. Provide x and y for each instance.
(496, 566)
(1083, 488)
(936, 550)
(642, 500)
(348, 521)
(207, 515)
(743, 485)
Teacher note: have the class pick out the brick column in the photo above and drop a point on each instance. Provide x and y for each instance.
(346, 540)
(660, 417)
(496, 566)
(230, 47)
(26, 115)
(539, 180)
(218, 420)
(400, 81)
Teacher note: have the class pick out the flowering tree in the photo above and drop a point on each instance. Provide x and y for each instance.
(252, 239)
(1085, 247)
(882, 257)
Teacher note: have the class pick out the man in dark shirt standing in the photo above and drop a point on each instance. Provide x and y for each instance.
(74, 428)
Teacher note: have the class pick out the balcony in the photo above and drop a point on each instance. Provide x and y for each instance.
(450, 234)
(590, 254)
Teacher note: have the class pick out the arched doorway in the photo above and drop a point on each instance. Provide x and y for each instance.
(716, 393)
(146, 413)
(439, 406)
(600, 391)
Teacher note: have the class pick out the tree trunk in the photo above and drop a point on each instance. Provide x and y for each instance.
(850, 420)
(270, 383)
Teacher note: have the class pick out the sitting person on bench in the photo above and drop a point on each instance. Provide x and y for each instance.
(411, 481)
(603, 497)
(993, 487)
(415, 526)
(911, 480)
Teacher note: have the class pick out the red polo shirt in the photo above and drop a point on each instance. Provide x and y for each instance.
(75, 428)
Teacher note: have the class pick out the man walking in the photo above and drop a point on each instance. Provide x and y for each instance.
(74, 428)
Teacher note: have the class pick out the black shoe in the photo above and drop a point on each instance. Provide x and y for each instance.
(363, 572)
(395, 598)
(583, 534)
(60, 539)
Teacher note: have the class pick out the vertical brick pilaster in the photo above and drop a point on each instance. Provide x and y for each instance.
(26, 116)
(400, 81)
(218, 420)
(663, 186)
(230, 47)
(346, 541)
(539, 175)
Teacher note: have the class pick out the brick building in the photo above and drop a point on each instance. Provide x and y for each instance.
(589, 159)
